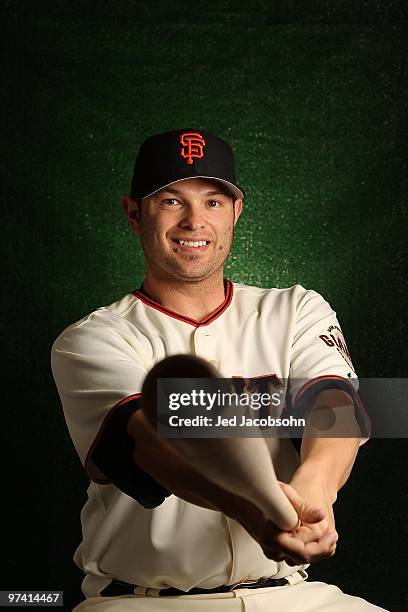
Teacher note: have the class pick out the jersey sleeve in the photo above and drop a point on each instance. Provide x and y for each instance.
(320, 358)
(98, 367)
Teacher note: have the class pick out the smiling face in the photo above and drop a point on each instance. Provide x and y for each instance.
(186, 229)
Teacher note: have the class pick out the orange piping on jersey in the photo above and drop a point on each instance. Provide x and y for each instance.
(98, 435)
(208, 319)
(353, 392)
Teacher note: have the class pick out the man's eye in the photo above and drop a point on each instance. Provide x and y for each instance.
(170, 202)
(214, 203)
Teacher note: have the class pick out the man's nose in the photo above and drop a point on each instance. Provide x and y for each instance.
(193, 219)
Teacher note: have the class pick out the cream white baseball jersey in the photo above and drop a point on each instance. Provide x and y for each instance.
(134, 530)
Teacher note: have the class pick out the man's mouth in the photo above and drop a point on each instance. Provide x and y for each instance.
(192, 244)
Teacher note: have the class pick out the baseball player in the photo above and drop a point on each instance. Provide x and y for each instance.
(157, 534)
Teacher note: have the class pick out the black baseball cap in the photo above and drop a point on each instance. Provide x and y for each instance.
(181, 154)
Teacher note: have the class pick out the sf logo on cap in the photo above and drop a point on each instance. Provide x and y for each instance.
(193, 145)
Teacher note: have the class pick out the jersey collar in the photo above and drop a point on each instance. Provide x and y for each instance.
(147, 299)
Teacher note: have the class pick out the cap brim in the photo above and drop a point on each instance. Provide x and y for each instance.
(235, 190)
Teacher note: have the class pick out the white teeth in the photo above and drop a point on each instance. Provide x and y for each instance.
(198, 243)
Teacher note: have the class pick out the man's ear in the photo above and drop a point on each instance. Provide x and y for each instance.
(132, 213)
(237, 209)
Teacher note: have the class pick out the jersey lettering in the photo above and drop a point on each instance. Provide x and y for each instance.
(340, 344)
(259, 384)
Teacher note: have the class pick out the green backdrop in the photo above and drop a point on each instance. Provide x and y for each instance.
(312, 97)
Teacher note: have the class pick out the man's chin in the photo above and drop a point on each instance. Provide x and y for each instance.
(193, 275)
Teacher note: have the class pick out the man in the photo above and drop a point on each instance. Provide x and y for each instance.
(158, 535)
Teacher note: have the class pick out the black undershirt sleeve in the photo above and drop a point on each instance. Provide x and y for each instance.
(113, 455)
(305, 403)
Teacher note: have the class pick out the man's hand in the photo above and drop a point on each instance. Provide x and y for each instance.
(319, 536)
(310, 541)
(314, 491)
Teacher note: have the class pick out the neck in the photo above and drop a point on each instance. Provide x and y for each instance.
(194, 299)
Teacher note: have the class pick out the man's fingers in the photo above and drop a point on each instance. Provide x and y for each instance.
(296, 552)
(306, 512)
(321, 550)
(313, 532)
(329, 539)
(290, 546)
